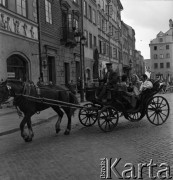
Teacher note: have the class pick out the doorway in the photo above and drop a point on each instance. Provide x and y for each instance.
(17, 67)
(67, 72)
(51, 69)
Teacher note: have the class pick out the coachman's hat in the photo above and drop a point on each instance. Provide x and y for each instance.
(108, 64)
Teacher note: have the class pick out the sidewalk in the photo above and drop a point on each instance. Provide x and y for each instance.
(10, 121)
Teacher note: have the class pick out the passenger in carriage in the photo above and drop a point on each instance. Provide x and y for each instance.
(135, 84)
(109, 81)
(146, 83)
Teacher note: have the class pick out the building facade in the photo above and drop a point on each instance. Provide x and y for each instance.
(19, 40)
(91, 34)
(161, 54)
(109, 30)
(59, 52)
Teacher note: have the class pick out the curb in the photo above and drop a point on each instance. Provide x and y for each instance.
(34, 124)
(6, 113)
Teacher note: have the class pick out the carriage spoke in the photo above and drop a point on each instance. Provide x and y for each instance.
(160, 103)
(157, 119)
(86, 120)
(161, 117)
(152, 114)
(163, 114)
(83, 118)
(154, 117)
(163, 105)
(106, 125)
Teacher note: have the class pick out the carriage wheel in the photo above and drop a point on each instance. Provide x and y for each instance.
(158, 110)
(134, 117)
(88, 116)
(108, 118)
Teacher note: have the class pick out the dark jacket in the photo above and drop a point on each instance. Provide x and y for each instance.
(111, 79)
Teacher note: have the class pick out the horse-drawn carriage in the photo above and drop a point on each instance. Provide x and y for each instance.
(107, 113)
(156, 108)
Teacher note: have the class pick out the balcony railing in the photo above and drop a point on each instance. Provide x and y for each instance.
(68, 37)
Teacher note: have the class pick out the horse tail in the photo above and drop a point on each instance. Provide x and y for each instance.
(73, 99)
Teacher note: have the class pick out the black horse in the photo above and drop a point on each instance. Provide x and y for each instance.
(16, 89)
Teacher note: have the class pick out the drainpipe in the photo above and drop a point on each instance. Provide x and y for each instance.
(39, 37)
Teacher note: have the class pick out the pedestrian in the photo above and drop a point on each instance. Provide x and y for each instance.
(40, 82)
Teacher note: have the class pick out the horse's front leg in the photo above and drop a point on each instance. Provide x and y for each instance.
(30, 131)
(60, 115)
(68, 129)
(25, 136)
(22, 126)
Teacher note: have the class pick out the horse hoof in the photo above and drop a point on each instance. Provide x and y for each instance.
(28, 139)
(66, 132)
(58, 130)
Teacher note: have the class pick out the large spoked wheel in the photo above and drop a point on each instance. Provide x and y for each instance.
(135, 116)
(88, 116)
(158, 110)
(108, 118)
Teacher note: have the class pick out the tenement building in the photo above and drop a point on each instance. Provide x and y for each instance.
(19, 40)
(161, 54)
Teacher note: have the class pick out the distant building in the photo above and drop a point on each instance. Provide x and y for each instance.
(139, 66)
(161, 53)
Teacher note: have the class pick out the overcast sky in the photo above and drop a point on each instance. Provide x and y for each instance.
(147, 18)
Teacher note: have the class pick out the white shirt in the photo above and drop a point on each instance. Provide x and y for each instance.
(146, 85)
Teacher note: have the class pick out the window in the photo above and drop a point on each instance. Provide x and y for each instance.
(100, 47)
(161, 56)
(107, 50)
(115, 53)
(168, 65)
(155, 47)
(161, 40)
(90, 13)
(167, 46)
(161, 47)
(94, 16)
(161, 65)
(95, 41)
(76, 23)
(85, 8)
(167, 55)
(48, 10)
(75, 1)
(3, 2)
(155, 65)
(111, 52)
(70, 21)
(21, 7)
(86, 36)
(90, 40)
(155, 56)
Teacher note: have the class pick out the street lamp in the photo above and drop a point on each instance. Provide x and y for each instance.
(130, 65)
(80, 38)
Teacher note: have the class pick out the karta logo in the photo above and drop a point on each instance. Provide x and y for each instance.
(111, 169)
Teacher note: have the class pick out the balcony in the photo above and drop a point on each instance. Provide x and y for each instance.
(68, 37)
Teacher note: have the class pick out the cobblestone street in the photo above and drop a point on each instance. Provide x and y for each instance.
(77, 156)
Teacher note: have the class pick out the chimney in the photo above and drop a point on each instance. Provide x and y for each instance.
(170, 23)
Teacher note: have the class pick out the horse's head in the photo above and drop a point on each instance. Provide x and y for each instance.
(4, 92)
(15, 86)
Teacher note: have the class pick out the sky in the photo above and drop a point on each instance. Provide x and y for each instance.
(147, 18)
